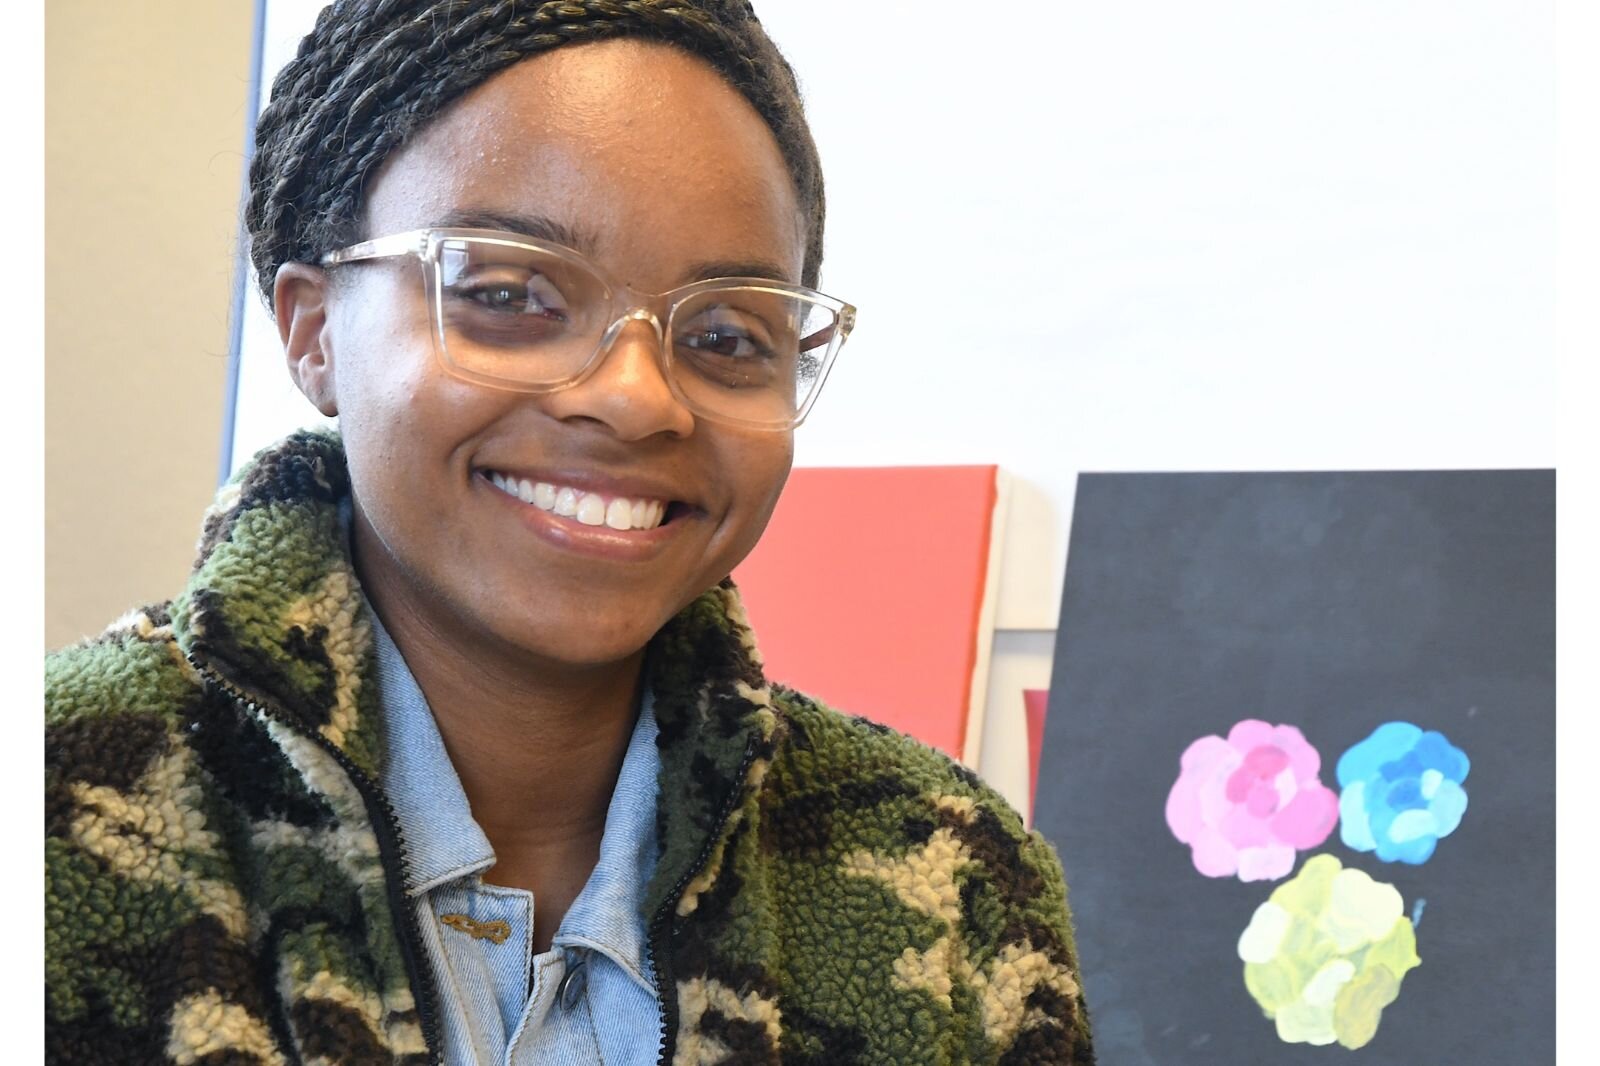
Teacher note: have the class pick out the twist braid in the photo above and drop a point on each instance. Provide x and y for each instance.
(372, 72)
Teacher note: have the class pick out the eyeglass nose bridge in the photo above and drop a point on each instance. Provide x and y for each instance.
(636, 313)
(632, 314)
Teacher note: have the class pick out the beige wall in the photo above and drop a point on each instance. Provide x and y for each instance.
(145, 106)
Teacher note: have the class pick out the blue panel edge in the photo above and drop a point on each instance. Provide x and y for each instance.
(241, 270)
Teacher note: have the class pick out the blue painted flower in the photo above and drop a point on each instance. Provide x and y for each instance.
(1400, 791)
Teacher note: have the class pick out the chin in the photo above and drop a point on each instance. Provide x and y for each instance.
(582, 640)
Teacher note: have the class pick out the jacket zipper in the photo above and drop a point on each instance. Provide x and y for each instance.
(656, 944)
(391, 846)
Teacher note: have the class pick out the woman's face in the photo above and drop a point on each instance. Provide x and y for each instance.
(657, 169)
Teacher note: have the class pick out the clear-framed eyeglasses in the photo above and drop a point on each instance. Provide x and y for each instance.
(520, 313)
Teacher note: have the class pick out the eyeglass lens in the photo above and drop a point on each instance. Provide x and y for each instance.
(527, 316)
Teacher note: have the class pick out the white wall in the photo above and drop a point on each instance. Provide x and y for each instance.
(1157, 235)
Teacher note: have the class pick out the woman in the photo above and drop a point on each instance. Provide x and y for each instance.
(457, 747)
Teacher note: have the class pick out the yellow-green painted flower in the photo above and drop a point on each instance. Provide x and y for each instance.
(1327, 952)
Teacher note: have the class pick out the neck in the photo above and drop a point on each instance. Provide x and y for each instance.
(537, 745)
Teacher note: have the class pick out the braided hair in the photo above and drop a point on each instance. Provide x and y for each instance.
(373, 72)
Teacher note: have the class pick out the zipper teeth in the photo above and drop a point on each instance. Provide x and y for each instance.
(389, 839)
(656, 942)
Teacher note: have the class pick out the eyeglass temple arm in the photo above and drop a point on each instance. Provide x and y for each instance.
(842, 326)
(820, 339)
(382, 248)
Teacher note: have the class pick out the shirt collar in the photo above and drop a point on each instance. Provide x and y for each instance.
(444, 842)
(608, 915)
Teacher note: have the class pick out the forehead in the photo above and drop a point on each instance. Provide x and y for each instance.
(641, 150)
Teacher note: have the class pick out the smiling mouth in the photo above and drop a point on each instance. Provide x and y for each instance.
(588, 508)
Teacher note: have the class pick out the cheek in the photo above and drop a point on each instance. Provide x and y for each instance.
(392, 391)
(383, 407)
(761, 467)
(407, 428)
(384, 359)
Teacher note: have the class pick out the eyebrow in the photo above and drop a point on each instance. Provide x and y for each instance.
(756, 268)
(548, 229)
(538, 226)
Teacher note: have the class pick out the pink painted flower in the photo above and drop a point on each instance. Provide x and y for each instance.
(1246, 804)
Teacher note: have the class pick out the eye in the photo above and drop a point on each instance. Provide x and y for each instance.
(726, 332)
(513, 293)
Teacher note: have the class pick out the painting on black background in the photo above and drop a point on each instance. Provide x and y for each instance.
(1300, 765)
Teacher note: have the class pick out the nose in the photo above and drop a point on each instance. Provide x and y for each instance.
(627, 391)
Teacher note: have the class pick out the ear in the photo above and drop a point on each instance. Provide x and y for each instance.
(299, 299)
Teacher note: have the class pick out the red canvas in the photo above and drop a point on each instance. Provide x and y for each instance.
(1036, 701)
(868, 591)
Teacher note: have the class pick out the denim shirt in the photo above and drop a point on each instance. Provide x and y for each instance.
(591, 998)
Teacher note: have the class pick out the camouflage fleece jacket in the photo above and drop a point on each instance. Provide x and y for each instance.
(224, 878)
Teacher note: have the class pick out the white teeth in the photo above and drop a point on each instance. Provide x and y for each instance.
(589, 508)
(619, 514)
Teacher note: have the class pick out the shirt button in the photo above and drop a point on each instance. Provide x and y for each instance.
(572, 983)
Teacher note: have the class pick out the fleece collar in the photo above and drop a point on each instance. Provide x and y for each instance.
(273, 608)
